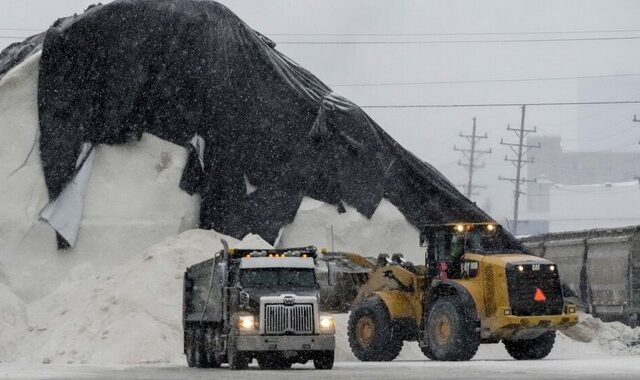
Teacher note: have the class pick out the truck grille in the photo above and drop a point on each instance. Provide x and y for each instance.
(282, 319)
(522, 286)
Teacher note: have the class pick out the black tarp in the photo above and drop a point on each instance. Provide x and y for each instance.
(177, 69)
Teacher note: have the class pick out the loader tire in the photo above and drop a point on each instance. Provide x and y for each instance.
(372, 334)
(531, 349)
(450, 337)
(427, 352)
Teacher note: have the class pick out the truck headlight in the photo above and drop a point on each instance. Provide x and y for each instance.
(246, 322)
(326, 323)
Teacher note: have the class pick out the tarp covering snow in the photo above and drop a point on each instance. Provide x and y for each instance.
(262, 131)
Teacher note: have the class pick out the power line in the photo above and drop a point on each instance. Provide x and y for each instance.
(483, 80)
(471, 156)
(519, 162)
(455, 41)
(498, 104)
(459, 34)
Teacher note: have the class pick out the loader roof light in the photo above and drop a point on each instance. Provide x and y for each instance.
(460, 227)
(552, 268)
(520, 268)
(491, 227)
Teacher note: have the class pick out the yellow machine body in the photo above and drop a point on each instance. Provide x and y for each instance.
(406, 293)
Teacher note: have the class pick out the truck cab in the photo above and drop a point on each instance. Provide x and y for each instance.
(256, 304)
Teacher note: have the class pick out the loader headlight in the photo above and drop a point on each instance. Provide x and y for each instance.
(520, 268)
(326, 323)
(246, 322)
(552, 267)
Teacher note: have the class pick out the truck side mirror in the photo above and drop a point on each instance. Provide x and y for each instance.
(423, 239)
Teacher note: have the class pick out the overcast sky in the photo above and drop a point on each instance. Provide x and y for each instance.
(431, 133)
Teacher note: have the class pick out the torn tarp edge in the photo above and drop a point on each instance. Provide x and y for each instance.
(64, 214)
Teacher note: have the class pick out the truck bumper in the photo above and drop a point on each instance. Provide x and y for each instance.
(526, 327)
(286, 343)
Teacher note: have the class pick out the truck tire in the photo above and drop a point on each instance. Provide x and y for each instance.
(209, 348)
(196, 355)
(324, 360)
(372, 336)
(450, 337)
(237, 360)
(531, 349)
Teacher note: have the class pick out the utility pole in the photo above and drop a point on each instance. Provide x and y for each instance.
(471, 155)
(519, 161)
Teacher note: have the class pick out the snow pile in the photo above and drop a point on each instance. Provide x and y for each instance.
(130, 317)
(387, 231)
(13, 321)
(133, 199)
(613, 337)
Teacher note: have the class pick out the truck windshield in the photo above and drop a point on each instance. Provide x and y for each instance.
(278, 277)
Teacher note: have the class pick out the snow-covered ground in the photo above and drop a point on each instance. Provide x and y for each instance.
(583, 369)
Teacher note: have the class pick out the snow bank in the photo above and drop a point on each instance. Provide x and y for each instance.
(387, 231)
(133, 199)
(131, 316)
(613, 337)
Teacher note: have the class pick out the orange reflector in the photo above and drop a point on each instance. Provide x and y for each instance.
(539, 296)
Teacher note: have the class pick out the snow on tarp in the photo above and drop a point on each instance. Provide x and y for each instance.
(187, 69)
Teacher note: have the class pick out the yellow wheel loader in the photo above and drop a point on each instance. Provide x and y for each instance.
(476, 286)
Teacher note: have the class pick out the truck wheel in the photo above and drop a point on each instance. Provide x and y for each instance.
(209, 348)
(531, 349)
(450, 337)
(196, 357)
(372, 336)
(324, 360)
(237, 360)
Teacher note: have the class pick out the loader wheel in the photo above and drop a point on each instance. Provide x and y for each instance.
(427, 352)
(372, 336)
(531, 349)
(324, 360)
(450, 337)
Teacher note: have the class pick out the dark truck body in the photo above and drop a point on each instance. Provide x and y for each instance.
(262, 304)
(601, 267)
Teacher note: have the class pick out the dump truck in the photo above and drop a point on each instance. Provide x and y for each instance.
(246, 304)
(601, 268)
(475, 286)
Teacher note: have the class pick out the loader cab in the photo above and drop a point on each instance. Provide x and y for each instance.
(447, 243)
